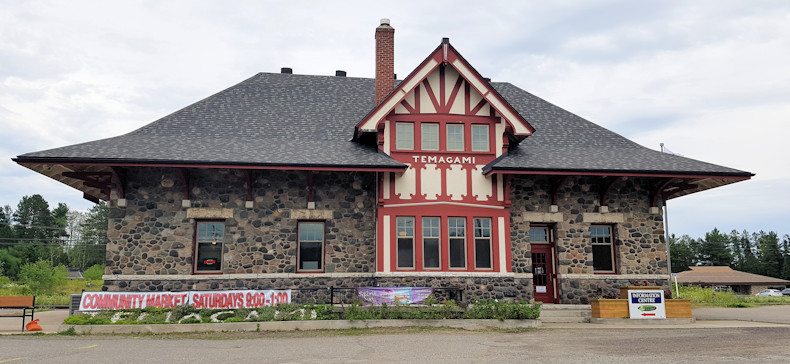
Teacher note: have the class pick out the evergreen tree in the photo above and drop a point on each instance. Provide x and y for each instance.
(715, 249)
(681, 250)
(771, 258)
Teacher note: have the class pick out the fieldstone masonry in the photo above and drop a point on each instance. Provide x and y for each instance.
(153, 235)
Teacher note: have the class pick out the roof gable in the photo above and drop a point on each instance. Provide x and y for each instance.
(466, 82)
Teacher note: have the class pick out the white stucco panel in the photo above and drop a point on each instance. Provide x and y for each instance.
(456, 182)
(431, 182)
(482, 186)
(406, 184)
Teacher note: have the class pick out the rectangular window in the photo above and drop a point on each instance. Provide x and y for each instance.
(208, 243)
(602, 249)
(480, 138)
(429, 138)
(431, 233)
(455, 137)
(405, 247)
(483, 243)
(539, 234)
(311, 246)
(456, 231)
(404, 136)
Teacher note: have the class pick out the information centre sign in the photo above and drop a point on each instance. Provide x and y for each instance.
(646, 304)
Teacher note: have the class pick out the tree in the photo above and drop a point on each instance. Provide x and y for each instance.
(93, 232)
(681, 251)
(744, 258)
(714, 249)
(771, 258)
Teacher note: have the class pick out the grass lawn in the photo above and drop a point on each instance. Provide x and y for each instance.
(709, 297)
(60, 296)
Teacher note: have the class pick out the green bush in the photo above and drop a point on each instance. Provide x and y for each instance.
(488, 309)
(94, 273)
(42, 277)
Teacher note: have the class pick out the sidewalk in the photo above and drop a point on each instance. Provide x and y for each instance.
(51, 322)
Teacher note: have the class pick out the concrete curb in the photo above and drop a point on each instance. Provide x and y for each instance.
(298, 325)
(637, 322)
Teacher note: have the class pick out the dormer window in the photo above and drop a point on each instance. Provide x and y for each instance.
(455, 137)
(404, 136)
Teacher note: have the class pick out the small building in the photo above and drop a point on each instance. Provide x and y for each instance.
(730, 279)
(444, 179)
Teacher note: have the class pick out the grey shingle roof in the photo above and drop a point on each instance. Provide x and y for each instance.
(269, 119)
(566, 142)
(287, 120)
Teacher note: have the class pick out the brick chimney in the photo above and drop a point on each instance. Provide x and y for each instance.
(385, 60)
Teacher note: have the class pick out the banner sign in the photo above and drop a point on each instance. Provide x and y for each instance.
(646, 304)
(393, 295)
(95, 301)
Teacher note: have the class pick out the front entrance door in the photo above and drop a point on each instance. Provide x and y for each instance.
(543, 272)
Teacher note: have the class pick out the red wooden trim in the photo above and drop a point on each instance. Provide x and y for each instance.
(443, 118)
(555, 190)
(221, 166)
(195, 248)
(454, 92)
(432, 96)
(185, 180)
(605, 187)
(477, 107)
(120, 173)
(408, 107)
(621, 174)
(655, 194)
(310, 186)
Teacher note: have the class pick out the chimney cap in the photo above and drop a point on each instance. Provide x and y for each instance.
(340, 73)
(385, 21)
(286, 70)
(445, 40)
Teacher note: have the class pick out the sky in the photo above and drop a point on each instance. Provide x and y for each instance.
(709, 79)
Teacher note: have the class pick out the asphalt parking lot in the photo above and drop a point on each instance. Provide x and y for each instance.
(573, 345)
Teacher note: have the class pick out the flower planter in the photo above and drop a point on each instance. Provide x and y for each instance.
(618, 308)
(609, 308)
(677, 308)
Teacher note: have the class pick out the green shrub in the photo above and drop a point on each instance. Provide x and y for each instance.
(42, 277)
(86, 319)
(488, 309)
(94, 273)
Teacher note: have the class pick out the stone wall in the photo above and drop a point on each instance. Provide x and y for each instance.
(316, 289)
(639, 235)
(153, 234)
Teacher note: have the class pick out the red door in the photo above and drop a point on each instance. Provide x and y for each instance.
(543, 273)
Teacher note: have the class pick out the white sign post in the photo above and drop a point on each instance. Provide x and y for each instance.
(646, 304)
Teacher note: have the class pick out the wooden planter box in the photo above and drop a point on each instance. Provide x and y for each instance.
(609, 308)
(618, 308)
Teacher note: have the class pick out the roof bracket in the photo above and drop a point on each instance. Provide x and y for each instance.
(99, 180)
(557, 183)
(185, 181)
(120, 175)
(659, 192)
(605, 187)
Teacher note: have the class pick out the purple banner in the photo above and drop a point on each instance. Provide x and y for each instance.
(393, 295)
